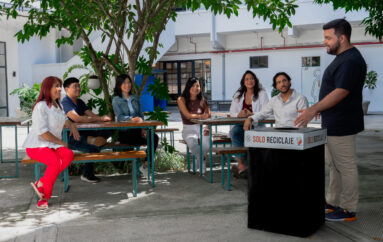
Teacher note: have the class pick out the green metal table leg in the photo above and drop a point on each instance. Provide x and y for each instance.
(152, 155)
(223, 170)
(66, 180)
(1, 144)
(134, 178)
(148, 152)
(188, 157)
(228, 173)
(200, 148)
(211, 153)
(37, 171)
(16, 153)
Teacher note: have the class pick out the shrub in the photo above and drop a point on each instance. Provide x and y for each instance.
(165, 161)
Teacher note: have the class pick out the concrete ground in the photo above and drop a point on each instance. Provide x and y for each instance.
(182, 207)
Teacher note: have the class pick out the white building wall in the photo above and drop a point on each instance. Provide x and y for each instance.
(241, 46)
(36, 51)
(307, 14)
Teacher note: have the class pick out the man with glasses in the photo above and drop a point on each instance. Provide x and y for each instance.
(284, 106)
(78, 112)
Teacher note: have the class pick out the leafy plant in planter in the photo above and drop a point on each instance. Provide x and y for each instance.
(371, 79)
(28, 96)
(370, 83)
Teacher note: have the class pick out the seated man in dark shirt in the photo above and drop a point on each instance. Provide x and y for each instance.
(78, 112)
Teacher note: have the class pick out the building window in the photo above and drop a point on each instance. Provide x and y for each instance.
(259, 62)
(310, 61)
(176, 73)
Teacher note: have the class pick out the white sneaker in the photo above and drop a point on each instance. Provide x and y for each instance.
(144, 171)
(90, 180)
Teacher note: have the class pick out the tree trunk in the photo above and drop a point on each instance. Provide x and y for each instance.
(105, 89)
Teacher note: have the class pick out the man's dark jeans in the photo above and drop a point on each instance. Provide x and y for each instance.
(82, 145)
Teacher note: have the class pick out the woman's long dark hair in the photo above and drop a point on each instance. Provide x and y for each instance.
(243, 88)
(45, 91)
(186, 93)
(119, 81)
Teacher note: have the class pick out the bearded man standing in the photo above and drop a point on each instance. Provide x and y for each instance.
(340, 105)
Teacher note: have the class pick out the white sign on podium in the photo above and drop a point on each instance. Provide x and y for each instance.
(285, 138)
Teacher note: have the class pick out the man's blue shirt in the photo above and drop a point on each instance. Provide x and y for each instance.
(69, 105)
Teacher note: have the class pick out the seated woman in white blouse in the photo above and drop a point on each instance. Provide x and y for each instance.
(44, 142)
(248, 99)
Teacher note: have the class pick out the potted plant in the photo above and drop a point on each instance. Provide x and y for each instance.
(370, 84)
(27, 96)
(93, 82)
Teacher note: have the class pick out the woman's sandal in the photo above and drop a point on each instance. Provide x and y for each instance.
(42, 204)
(38, 190)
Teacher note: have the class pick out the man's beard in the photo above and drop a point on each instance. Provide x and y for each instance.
(287, 90)
(333, 50)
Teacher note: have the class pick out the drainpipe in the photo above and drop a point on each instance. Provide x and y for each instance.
(58, 49)
(284, 39)
(261, 42)
(193, 43)
(217, 45)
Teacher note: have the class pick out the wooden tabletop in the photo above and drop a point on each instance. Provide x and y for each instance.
(223, 121)
(11, 121)
(118, 124)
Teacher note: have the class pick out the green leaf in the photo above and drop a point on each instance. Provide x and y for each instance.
(158, 90)
(159, 115)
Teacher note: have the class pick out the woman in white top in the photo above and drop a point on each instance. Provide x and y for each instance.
(44, 142)
(249, 99)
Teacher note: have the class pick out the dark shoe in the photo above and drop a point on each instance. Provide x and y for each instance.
(329, 208)
(234, 171)
(243, 174)
(340, 215)
(90, 179)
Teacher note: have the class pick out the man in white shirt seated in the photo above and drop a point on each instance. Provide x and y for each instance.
(284, 106)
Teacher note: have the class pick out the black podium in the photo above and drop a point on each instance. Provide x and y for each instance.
(286, 184)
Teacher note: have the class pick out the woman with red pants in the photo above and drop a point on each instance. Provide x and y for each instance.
(44, 142)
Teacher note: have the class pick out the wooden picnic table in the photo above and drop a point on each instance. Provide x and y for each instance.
(11, 122)
(219, 121)
(148, 125)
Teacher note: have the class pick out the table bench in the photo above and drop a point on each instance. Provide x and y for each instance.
(95, 157)
(226, 154)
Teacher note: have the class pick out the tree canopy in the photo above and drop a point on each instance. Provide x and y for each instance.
(126, 26)
(373, 23)
(130, 28)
